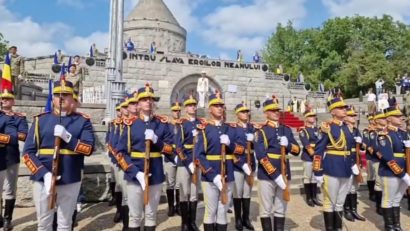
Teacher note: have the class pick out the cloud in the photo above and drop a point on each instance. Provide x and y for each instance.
(247, 26)
(398, 9)
(81, 45)
(79, 4)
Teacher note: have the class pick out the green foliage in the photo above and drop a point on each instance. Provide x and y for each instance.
(348, 52)
(3, 47)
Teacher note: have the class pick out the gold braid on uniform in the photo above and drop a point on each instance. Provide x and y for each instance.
(341, 143)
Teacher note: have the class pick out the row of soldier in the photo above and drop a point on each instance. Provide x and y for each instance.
(212, 150)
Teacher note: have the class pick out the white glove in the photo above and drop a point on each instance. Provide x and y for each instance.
(47, 182)
(194, 132)
(355, 170)
(20, 77)
(280, 182)
(191, 167)
(358, 139)
(141, 179)
(150, 135)
(406, 179)
(218, 182)
(246, 169)
(61, 132)
(225, 139)
(284, 141)
(250, 137)
(176, 159)
(319, 180)
(406, 143)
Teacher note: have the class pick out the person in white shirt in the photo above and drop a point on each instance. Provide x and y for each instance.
(371, 101)
(379, 86)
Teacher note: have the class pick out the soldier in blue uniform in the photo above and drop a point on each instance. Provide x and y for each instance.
(269, 141)
(131, 151)
(380, 126)
(12, 158)
(214, 136)
(393, 145)
(308, 136)
(188, 183)
(350, 205)
(371, 177)
(76, 133)
(336, 167)
(243, 188)
(170, 164)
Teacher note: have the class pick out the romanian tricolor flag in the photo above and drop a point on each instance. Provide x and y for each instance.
(6, 82)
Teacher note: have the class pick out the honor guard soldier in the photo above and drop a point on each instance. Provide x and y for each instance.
(336, 167)
(12, 157)
(243, 174)
(215, 148)
(272, 144)
(371, 177)
(144, 139)
(77, 140)
(392, 149)
(170, 164)
(350, 205)
(187, 173)
(308, 136)
(381, 126)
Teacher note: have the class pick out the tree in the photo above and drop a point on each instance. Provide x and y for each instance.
(350, 52)
(3, 47)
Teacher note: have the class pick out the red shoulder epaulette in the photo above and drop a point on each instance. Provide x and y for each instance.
(162, 118)
(129, 121)
(257, 125)
(201, 126)
(202, 120)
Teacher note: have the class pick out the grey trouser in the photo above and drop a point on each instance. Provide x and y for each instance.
(242, 189)
(2, 177)
(117, 179)
(112, 173)
(271, 199)
(215, 211)
(123, 185)
(335, 190)
(308, 173)
(10, 182)
(371, 173)
(187, 189)
(66, 202)
(353, 185)
(374, 172)
(393, 191)
(170, 174)
(136, 204)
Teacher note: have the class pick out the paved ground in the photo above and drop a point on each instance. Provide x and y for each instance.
(300, 217)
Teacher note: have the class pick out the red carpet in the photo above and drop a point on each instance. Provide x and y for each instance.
(289, 119)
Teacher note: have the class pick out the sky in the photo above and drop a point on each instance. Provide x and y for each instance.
(217, 28)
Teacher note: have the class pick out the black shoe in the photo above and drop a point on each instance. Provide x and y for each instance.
(353, 205)
(8, 214)
(125, 217)
(237, 208)
(118, 201)
(266, 224)
(184, 216)
(379, 202)
(396, 219)
(112, 191)
(308, 192)
(192, 215)
(170, 198)
(278, 223)
(177, 208)
(220, 227)
(54, 225)
(229, 210)
(149, 228)
(246, 208)
(134, 229)
(314, 195)
(347, 209)
(388, 219)
(370, 186)
(338, 220)
(329, 220)
(208, 227)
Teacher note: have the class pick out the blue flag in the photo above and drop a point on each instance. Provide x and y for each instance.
(69, 63)
(55, 58)
(48, 107)
(91, 52)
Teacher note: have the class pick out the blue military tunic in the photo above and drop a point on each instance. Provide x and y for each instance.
(184, 140)
(392, 149)
(131, 148)
(337, 142)
(240, 160)
(13, 152)
(268, 150)
(111, 138)
(8, 137)
(39, 146)
(308, 137)
(208, 148)
(173, 128)
(373, 145)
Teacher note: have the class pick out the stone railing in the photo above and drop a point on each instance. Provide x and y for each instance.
(94, 95)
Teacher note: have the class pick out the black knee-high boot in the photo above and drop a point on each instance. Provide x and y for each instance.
(246, 208)
(237, 207)
(170, 198)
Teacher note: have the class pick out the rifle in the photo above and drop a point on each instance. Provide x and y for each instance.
(408, 166)
(194, 174)
(146, 170)
(359, 177)
(224, 192)
(286, 192)
(250, 178)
